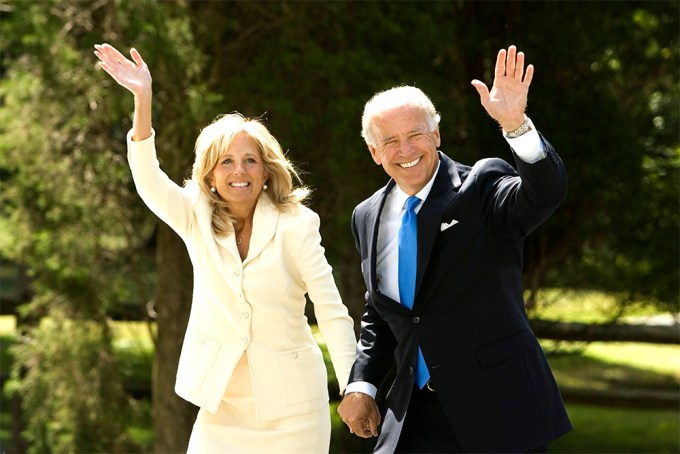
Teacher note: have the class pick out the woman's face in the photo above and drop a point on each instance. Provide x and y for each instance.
(240, 174)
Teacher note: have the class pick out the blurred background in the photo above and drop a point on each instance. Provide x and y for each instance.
(95, 291)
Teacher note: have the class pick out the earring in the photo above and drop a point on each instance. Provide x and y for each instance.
(265, 186)
(212, 189)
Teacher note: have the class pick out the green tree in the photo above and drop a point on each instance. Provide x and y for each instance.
(64, 217)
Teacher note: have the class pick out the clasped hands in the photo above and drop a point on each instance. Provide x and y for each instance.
(360, 412)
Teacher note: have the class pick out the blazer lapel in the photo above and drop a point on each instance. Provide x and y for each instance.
(265, 220)
(204, 213)
(372, 226)
(444, 190)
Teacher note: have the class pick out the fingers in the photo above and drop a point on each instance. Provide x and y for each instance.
(518, 70)
(361, 414)
(500, 64)
(373, 424)
(114, 53)
(529, 75)
(108, 54)
(514, 66)
(510, 62)
(112, 57)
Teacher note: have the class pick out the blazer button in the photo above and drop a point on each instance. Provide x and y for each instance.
(416, 320)
(410, 370)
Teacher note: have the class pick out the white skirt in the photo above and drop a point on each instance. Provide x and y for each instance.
(234, 429)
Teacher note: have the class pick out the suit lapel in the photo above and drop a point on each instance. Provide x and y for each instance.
(204, 213)
(444, 190)
(372, 226)
(265, 220)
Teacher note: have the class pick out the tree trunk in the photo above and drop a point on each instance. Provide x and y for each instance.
(173, 417)
(653, 334)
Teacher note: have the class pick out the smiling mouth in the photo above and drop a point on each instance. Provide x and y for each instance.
(408, 165)
(239, 185)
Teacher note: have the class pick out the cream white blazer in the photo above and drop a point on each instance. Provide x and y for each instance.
(256, 305)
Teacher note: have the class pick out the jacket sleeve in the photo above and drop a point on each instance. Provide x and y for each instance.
(335, 324)
(375, 349)
(515, 202)
(167, 200)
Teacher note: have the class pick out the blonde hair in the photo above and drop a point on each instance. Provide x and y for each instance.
(401, 96)
(214, 140)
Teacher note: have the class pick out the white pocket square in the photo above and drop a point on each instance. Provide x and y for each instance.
(446, 225)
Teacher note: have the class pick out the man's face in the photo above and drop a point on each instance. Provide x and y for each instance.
(406, 148)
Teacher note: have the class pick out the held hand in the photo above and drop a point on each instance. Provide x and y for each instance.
(508, 97)
(360, 412)
(133, 75)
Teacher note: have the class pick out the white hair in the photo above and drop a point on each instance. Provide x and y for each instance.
(401, 96)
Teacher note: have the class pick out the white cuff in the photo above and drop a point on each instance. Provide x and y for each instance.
(528, 147)
(362, 387)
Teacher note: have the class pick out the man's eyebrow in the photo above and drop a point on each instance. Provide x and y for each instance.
(417, 129)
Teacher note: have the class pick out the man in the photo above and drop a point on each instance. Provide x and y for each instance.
(443, 277)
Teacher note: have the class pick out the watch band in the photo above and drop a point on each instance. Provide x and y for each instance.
(525, 127)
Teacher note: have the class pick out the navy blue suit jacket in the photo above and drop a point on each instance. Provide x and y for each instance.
(489, 372)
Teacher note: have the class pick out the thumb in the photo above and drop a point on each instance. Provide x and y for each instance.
(136, 57)
(482, 89)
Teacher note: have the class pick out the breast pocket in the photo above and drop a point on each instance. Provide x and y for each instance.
(302, 375)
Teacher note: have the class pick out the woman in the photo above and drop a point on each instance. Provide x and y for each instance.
(249, 359)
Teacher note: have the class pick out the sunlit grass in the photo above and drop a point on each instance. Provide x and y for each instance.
(587, 306)
(663, 359)
(619, 430)
(659, 358)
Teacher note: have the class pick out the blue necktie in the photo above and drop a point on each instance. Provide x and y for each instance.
(408, 261)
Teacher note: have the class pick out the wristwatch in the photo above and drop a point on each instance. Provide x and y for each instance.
(523, 129)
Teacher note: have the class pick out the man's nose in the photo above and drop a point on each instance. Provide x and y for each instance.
(405, 146)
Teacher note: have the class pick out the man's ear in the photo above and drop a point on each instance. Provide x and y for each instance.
(438, 139)
(375, 154)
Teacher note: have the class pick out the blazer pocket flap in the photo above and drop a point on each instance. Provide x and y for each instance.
(302, 375)
(506, 348)
(198, 355)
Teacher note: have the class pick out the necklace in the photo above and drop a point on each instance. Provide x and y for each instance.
(238, 241)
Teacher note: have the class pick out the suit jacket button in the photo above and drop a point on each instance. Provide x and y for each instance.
(410, 370)
(416, 320)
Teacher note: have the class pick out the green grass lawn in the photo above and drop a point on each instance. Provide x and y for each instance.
(619, 430)
(598, 366)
